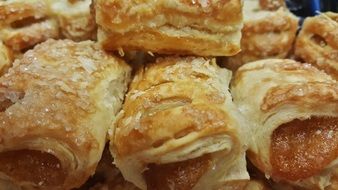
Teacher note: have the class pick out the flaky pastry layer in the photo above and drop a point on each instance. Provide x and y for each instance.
(317, 42)
(267, 33)
(207, 28)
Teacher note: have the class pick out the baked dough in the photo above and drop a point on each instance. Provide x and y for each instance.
(57, 104)
(293, 111)
(201, 27)
(24, 23)
(269, 32)
(179, 128)
(317, 42)
(271, 4)
(74, 18)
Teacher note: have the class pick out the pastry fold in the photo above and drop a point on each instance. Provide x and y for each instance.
(179, 128)
(317, 42)
(57, 104)
(293, 111)
(269, 32)
(206, 28)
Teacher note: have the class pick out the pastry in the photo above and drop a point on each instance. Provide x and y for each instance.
(57, 104)
(317, 42)
(271, 4)
(293, 111)
(267, 32)
(201, 27)
(179, 129)
(26, 23)
(6, 58)
(74, 18)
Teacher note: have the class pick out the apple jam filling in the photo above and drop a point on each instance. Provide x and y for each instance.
(180, 175)
(302, 148)
(33, 166)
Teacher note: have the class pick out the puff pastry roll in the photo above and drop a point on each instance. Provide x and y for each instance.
(74, 18)
(269, 31)
(201, 27)
(57, 104)
(179, 128)
(293, 110)
(26, 23)
(317, 42)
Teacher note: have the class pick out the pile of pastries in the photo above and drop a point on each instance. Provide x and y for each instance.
(167, 95)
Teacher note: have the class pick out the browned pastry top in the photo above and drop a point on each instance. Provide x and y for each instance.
(317, 42)
(267, 33)
(170, 88)
(307, 92)
(45, 74)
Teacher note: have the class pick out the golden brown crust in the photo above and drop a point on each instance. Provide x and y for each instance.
(178, 26)
(173, 86)
(317, 42)
(59, 100)
(283, 66)
(178, 109)
(266, 34)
